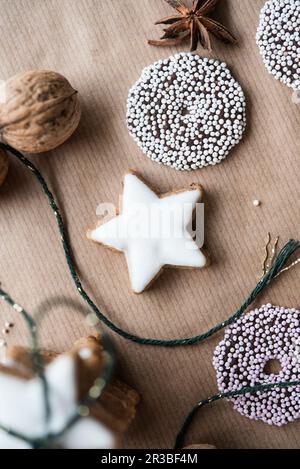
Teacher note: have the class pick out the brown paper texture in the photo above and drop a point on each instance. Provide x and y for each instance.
(100, 46)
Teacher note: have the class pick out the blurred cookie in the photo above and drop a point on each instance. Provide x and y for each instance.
(116, 406)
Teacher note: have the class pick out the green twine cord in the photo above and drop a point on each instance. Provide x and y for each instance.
(38, 367)
(278, 264)
(241, 392)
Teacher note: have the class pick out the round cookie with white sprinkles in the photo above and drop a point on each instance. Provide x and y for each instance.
(257, 341)
(186, 112)
(278, 39)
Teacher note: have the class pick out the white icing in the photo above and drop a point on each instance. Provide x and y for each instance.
(22, 409)
(152, 231)
(85, 353)
(88, 434)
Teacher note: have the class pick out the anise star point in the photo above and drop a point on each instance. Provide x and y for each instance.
(192, 23)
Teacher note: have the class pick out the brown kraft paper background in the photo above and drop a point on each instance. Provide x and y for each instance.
(100, 46)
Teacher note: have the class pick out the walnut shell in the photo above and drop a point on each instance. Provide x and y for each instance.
(3, 166)
(40, 111)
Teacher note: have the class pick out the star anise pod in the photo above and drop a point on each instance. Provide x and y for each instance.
(192, 23)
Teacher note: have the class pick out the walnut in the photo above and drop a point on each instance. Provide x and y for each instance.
(40, 111)
(3, 166)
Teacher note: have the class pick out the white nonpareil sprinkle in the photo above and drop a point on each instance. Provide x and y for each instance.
(186, 112)
(278, 39)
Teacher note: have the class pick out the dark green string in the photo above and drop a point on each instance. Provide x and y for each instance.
(38, 367)
(241, 392)
(278, 264)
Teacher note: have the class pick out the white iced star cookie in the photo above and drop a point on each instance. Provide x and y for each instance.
(70, 378)
(22, 409)
(152, 231)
